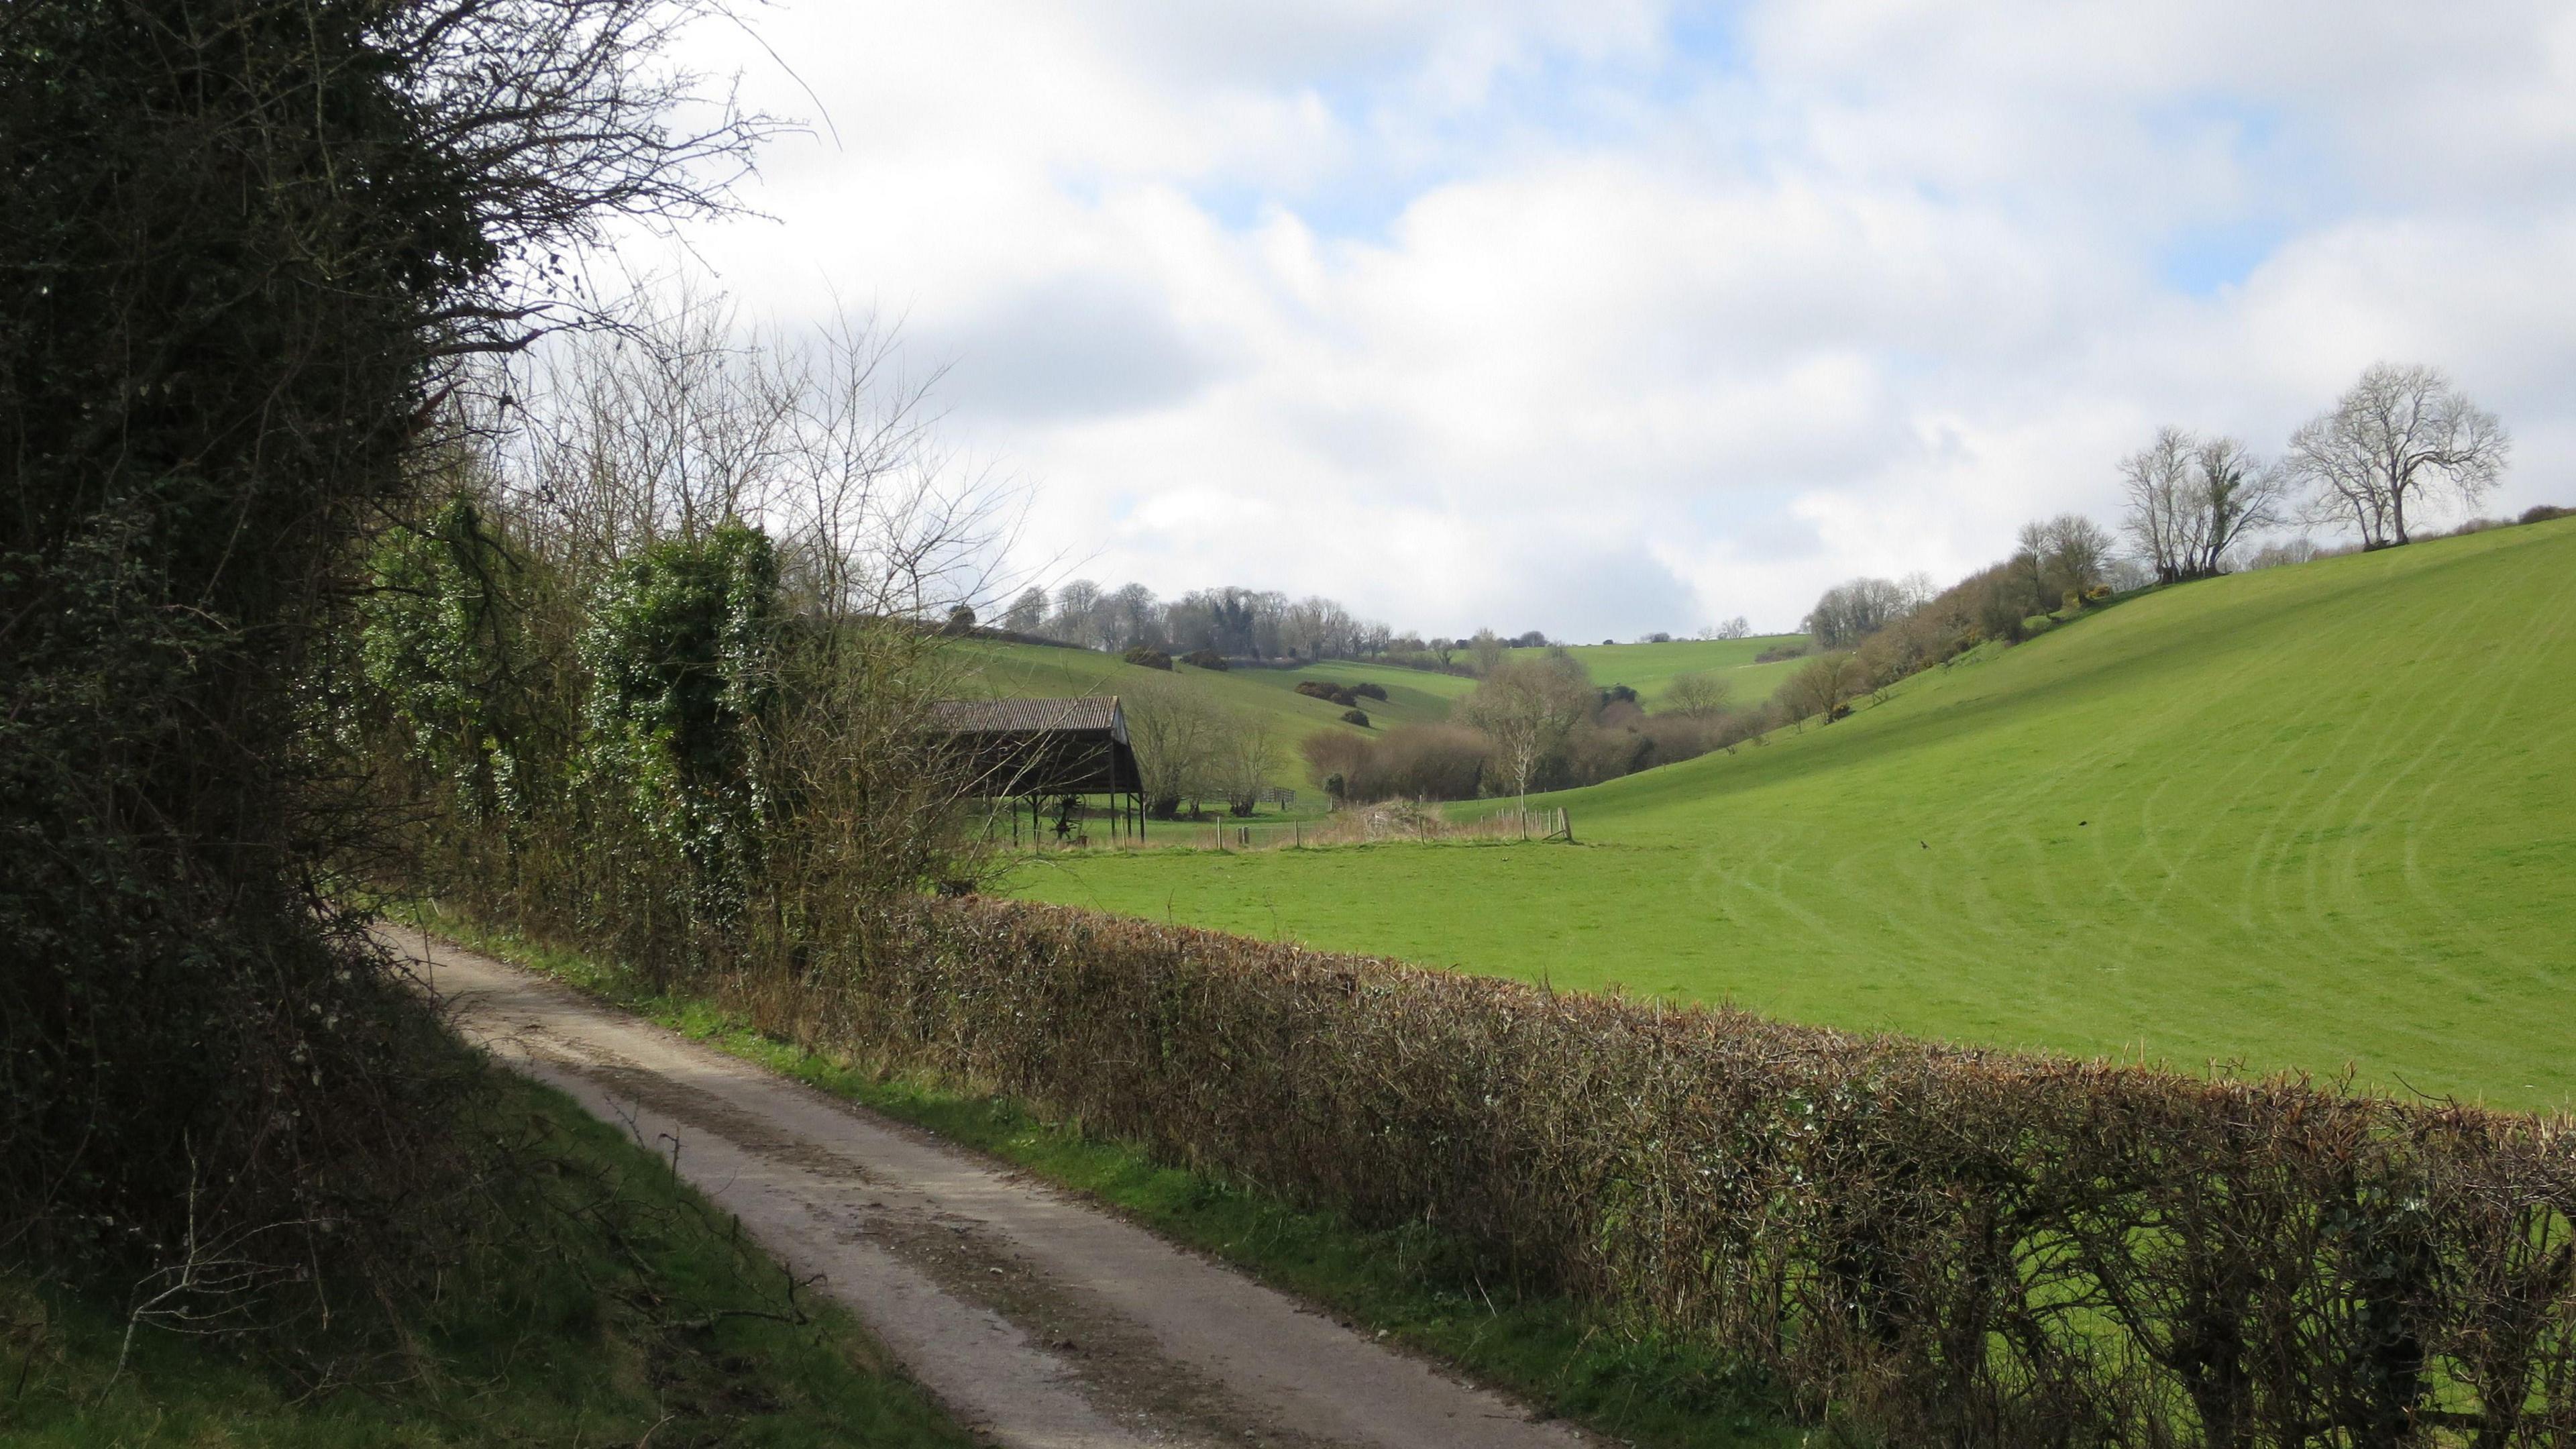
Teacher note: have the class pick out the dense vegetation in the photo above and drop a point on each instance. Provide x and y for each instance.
(249, 244)
(2305, 816)
(250, 1189)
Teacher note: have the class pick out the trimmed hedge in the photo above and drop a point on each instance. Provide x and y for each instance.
(1944, 1246)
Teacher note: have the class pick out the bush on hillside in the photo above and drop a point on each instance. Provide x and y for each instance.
(1596, 753)
(1941, 1246)
(1366, 690)
(1205, 659)
(1356, 717)
(1328, 692)
(1148, 658)
(2542, 513)
(1778, 652)
(1408, 762)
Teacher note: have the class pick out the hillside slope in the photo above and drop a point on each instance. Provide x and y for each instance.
(1648, 668)
(1412, 695)
(2305, 817)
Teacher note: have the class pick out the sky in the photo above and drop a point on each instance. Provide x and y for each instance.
(1607, 317)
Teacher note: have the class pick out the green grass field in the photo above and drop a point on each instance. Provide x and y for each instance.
(1647, 668)
(2299, 818)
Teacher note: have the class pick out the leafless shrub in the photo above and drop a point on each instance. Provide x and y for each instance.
(1409, 762)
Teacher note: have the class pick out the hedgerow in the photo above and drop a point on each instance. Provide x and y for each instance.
(1935, 1245)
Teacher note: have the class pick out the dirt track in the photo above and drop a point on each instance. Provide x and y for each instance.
(1040, 1320)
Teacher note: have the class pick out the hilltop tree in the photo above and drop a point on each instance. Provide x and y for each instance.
(1076, 604)
(1487, 650)
(1850, 612)
(2237, 493)
(2401, 438)
(1527, 707)
(2161, 519)
(2191, 499)
(1028, 612)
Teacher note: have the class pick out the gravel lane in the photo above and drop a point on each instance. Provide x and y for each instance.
(1039, 1319)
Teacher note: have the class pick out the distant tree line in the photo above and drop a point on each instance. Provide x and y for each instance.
(1258, 625)
(1234, 623)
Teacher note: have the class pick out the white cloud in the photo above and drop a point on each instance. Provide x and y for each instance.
(1601, 319)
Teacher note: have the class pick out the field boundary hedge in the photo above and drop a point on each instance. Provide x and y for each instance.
(1945, 1246)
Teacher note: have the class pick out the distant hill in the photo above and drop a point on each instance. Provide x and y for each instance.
(2306, 816)
(1647, 668)
(1413, 696)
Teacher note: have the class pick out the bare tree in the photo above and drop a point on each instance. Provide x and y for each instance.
(1697, 696)
(2162, 519)
(2074, 552)
(1075, 604)
(1028, 612)
(1487, 650)
(1850, 612)
(2400, 438)
(1176, 732)
(675, 423)
(1528, 706)
(2238, 494)
(1247, 755)
(2191, 499)
(1824, 686)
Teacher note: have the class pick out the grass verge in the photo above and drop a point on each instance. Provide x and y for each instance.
(608, 1304)
(1411, 1285)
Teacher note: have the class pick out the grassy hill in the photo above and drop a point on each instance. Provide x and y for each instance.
(1647, 668)
(2306, 817)
(989, 667)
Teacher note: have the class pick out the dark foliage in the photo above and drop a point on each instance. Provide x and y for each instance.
(1204, 659)
(1329, 692)
(1148, 658)
(242, 240)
